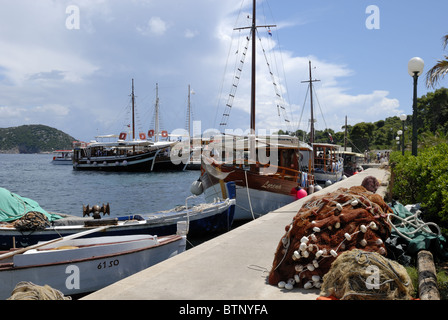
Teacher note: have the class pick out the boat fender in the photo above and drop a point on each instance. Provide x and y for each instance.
(196, 188)
(301, 193)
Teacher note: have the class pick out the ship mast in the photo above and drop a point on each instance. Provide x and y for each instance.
(311, 103)
(253, 73)
(133, 113)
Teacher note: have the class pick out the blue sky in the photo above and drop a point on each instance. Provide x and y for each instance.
(77, 78)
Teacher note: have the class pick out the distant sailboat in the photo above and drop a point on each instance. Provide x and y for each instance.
(120, 154)
(261, 188)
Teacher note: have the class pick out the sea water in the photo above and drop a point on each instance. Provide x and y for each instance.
(59, 188)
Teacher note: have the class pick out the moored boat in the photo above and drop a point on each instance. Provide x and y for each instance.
(268, 169)
(127, 151)
(62, 157)
(78, 266)
(200, 220)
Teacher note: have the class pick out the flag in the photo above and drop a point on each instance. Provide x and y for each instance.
(331, 137)
(270, 33)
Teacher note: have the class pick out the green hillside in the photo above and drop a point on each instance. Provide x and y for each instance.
(33, 139)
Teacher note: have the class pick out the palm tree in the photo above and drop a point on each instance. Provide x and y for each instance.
(439, 70)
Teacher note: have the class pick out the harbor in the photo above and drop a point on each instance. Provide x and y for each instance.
(119, 184)
(232, 266)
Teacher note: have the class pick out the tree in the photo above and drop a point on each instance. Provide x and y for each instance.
(439, 70)
(433, 111)
(361, 135)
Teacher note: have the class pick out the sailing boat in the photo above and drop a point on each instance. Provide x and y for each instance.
(262, 186)
(164, 160)
(120, 154)
(328, 165)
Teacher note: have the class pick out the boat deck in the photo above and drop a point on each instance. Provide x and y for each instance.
(233, 266)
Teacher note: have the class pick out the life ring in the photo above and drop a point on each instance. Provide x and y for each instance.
(164, 134)
(122, 136)
(142, 136)
(151, 133)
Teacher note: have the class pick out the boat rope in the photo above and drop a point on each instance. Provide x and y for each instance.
(248, 195)
(413, 221)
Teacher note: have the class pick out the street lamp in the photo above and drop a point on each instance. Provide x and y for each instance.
(415, 69)
(403, 118)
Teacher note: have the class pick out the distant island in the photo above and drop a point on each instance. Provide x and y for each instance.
(34, 138)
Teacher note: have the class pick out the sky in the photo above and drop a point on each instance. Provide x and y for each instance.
(69, 64)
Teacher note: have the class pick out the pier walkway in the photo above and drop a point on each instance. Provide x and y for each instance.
(233, 266)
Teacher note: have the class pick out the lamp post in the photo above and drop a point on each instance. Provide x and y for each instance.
(403, 118)
(415, 69)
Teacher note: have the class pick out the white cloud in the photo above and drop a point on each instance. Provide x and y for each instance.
(154, 27)
(190, 33)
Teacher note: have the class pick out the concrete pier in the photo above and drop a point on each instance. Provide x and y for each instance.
(233, 266)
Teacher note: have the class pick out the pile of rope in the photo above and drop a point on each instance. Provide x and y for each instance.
(32, 221)
(29, 291)
(362, 275)
(324, 227)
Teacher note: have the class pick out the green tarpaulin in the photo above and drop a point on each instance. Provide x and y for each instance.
(13, 207)
(417, 233)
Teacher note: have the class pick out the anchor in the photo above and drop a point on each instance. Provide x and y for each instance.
(96, 210)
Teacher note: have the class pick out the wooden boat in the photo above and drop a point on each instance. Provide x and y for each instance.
(200, 220)
(262, 188)
(78, 266)
(63, 157)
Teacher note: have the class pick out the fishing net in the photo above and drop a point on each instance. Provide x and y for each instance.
(32, 221)
(324, 227)
(362, 275)
(25, 290)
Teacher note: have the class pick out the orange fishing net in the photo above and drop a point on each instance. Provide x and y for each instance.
(324, 227)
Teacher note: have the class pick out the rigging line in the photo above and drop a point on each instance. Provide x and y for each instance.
(320, 110)
(276, 89)
(225, 67)
(282, 64)
(303, 108)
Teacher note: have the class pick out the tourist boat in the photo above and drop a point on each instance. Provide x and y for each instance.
(261, 188)
(199, 220)
(75, 265)
(62, 157)
(353, 162)
(328, 165)
(118, 153)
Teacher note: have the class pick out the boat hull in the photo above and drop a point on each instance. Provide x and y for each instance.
(76, 274)
(256, 194)
(216, 217)
(140, 162)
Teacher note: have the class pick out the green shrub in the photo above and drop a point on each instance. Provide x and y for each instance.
(423, 179)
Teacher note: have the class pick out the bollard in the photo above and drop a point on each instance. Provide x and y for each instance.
(427, 279)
